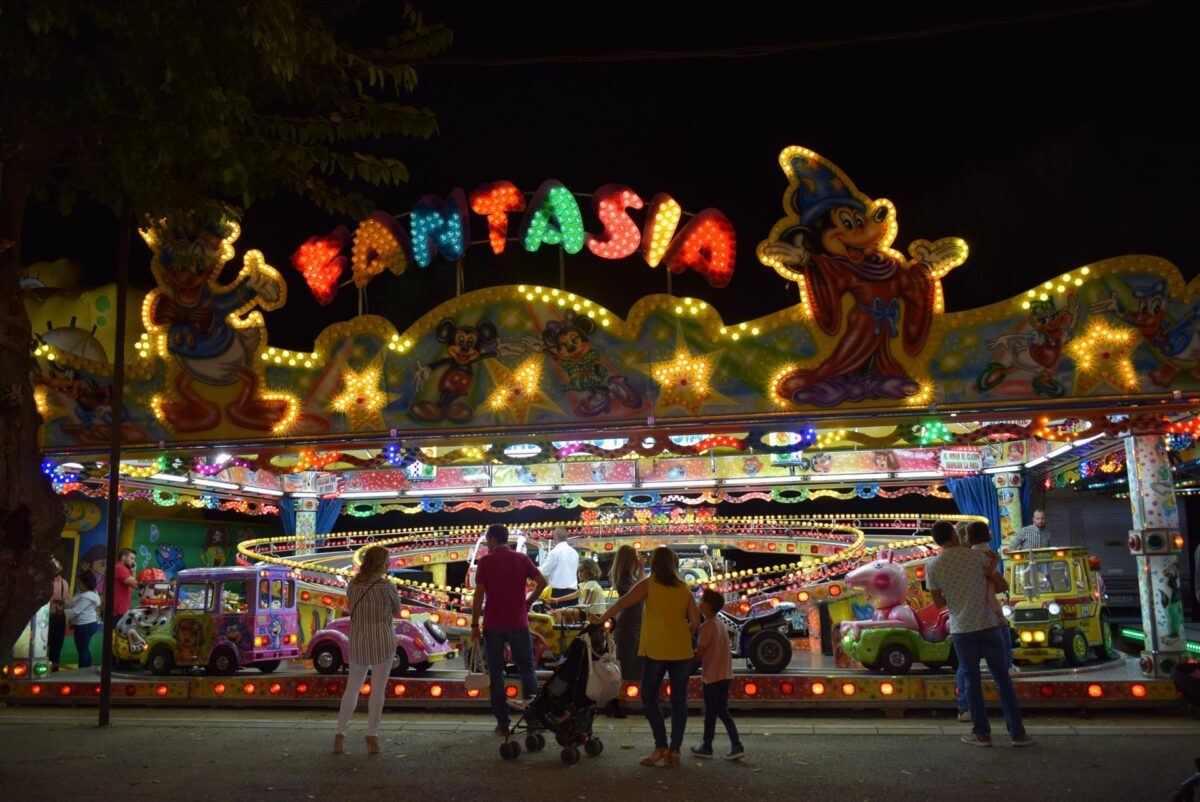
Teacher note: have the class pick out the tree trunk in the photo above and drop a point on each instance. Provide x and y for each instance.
(31, 515)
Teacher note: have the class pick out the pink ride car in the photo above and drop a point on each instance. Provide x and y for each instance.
(419, 644)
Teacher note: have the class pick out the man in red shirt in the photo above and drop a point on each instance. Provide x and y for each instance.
(126, 583)
(500, 595)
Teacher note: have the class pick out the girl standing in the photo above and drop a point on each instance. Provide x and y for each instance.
(374, 604)
(83, 611)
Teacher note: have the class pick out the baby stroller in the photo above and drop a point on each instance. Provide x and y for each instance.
(1186, 677)
(562, 707)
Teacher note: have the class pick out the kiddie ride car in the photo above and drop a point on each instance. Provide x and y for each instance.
(420, 643)
(1057, 610)
(895, 637)
(760, 633)
(219, 618)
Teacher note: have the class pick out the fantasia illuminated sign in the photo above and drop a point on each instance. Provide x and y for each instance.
(440, 228)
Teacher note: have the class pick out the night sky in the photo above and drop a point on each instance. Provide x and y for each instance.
(1047, 136)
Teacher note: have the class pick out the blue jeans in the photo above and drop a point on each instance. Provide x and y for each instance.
(960, 678)
(716, 706)
(988, 644)
(83, 642)
(520, 643)
(653, 672)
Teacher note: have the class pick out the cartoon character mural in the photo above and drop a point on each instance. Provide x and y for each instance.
(209, 328)
(216, 541)
(85, 402)
(1034, 350)
(466, 346)
(589, 378)
(1175, 343)
(170, 559)
(835, 242)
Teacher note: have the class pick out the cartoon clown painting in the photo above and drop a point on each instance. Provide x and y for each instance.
(836, 244)
(209, 328)
(1176, 343)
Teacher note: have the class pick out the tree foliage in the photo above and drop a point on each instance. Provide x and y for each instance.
(166, 105)
(163, 107)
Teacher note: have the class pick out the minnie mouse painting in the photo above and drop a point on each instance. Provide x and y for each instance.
(590, 378)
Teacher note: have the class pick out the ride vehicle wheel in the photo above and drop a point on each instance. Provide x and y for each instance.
(569, 756)
(160, 661)
(327, 659)
(593, 747)
(1075, 645)
(422, 667)
(893, 659)
(400, 664)
(691, 576)
(223, 663)
(510, 750)
(1104, 649)
(770, 651)
(267, 666)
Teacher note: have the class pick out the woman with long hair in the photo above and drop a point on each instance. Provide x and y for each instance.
(625, 572)
(669, 619)
(374, 604)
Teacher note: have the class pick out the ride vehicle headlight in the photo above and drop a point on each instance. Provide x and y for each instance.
(1039, 636)
(1007, 610)
(1053, 608)
(1026, 637)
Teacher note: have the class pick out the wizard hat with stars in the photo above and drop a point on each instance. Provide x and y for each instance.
(820, 187)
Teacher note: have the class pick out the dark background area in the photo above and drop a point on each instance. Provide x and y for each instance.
(1048, 136)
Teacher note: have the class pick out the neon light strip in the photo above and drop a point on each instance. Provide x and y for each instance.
(1140, 637)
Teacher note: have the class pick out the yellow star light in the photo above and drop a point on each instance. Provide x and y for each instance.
(362, 400)
(684, 380)
(515, 391)
(1102, 356)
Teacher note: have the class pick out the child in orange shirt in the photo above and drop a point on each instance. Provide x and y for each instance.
(716, 671)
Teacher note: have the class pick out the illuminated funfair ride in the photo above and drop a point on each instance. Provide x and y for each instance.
(629, 429)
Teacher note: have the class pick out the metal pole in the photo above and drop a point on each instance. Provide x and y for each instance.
(114, 464)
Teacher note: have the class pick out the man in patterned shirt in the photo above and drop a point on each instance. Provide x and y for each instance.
(958, 579)
(1034, 536)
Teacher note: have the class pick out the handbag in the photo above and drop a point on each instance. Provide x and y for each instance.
(604, 671)
(477, 678)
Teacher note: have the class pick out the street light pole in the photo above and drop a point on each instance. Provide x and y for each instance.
(114, 464)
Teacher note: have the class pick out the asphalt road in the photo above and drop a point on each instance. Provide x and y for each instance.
(272, 755)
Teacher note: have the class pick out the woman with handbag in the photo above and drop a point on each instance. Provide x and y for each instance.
(374, 604)
(669, 620)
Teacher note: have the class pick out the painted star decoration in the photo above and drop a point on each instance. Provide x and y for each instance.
(684, 380)
(1102, 355)
(516, 391)
(361, 399)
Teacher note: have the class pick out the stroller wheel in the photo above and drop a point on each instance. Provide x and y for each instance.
(593, 747)
(535, 742)
(509, 750)
(570, 756)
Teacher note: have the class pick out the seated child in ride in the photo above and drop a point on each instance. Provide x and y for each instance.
(589, 596)
(979, 537)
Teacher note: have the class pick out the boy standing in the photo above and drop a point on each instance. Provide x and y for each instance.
(716, 666)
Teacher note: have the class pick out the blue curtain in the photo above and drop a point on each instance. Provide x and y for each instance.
(287, 515)
(328, 511)
(1026, 501)
(976, 495)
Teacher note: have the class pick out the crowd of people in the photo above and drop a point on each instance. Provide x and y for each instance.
(84, 609)
(661, 632)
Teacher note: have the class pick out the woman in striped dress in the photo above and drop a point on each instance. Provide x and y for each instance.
(374, 604)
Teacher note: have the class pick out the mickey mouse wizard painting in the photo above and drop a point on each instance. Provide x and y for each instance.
(836, 244)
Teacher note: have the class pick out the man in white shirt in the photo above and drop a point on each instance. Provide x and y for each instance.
(561, 566)
(958, 579)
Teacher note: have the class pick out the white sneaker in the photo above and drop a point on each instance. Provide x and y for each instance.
(1014, 670)
(965, 716)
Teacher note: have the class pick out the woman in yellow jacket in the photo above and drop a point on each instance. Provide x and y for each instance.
(669, 619)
